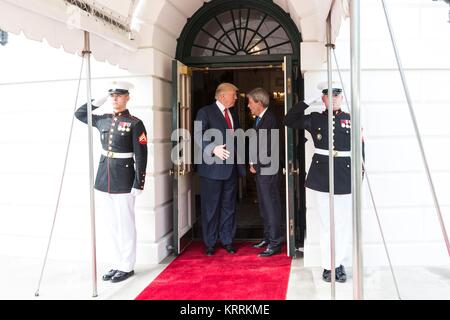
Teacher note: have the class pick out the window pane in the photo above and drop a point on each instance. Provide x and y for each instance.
(247, 32)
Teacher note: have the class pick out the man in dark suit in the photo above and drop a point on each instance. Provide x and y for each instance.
(266, 174)
(218, 168)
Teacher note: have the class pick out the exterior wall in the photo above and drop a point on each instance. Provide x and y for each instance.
(30, 180)
(39, 102)
(393, 162)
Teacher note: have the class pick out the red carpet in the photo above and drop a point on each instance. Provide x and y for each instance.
(223, 276)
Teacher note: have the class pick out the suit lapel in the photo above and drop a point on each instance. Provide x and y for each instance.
(262, 120)
(219, 116)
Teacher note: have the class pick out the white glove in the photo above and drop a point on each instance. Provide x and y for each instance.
(100, 101)
(135, 192)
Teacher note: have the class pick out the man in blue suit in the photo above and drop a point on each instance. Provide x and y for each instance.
(219, 168)
(266, 172)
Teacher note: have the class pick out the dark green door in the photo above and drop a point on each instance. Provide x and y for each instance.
(290, 171)
(182, 173)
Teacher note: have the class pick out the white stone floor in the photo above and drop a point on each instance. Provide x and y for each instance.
(73, 281)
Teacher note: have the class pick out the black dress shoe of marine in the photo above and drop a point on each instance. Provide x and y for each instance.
(229, 248)
(269, 252)
(261, 244)
(341, 276)
(121, 275)
(107, 276)
(326, 275)
(210, 251)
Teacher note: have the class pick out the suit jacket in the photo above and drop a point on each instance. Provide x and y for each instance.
(268, 122)
(317, 125)
(210, 117)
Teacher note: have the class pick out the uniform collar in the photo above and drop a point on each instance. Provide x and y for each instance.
(335, 113)
(122, 113)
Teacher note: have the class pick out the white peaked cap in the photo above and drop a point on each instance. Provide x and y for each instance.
(120, 87)
(324, 85)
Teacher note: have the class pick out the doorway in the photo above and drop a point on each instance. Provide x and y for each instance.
(205, 82)
(250, 43)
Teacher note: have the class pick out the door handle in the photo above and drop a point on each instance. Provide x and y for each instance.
(293, 171)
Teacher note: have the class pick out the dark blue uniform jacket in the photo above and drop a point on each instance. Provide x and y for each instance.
(317, 125)
(119, 132)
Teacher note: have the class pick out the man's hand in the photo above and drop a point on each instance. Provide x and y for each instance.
(100, 101)
(135, 192)
(221, 152)
(252, 169)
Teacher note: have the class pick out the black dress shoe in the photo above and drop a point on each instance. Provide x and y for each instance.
(121, 275)
(229, 248)
(109, 275)
(326, 275)
(341, 276)
(269, 252)
(261, 244)
(210, 251)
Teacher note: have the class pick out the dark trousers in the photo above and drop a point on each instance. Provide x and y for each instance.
(269, 201)
(218, 199)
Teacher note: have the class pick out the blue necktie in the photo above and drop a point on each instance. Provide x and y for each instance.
(258, 119)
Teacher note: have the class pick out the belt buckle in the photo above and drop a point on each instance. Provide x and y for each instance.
(110, 154)
(335, 153)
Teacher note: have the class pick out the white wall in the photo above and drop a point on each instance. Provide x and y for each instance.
(393, 160)
(38, 85)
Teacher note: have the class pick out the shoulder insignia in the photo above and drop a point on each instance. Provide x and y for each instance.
(142, 138)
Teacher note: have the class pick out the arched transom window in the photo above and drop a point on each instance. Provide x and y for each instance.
(245, 31)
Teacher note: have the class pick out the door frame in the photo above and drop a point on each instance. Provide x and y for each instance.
(295, 193)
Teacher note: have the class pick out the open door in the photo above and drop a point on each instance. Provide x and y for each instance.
(182, 171)
(289, 170)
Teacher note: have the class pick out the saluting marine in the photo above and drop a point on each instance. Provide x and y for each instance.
(316, 123)
(121, 174)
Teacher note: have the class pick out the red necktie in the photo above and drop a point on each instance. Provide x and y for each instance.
(227, 119)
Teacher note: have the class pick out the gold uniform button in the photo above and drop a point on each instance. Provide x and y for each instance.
(110, 148)
(110, 135)
(115, 119)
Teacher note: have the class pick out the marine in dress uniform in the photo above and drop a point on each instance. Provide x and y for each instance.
(318, 176)
(121, 174)
(267, 183)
